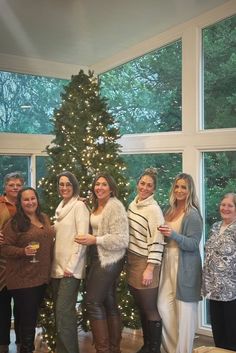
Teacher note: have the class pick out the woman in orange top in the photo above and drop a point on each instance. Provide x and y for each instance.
(13, 183)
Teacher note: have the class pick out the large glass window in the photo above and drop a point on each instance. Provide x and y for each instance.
(219, 55)
(9, 164)
(167, 164)
(27, 102)
(219, 175)
(144, 95)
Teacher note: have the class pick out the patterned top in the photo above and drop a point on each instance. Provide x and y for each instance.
(219, 271)
(7, 210)
(144, 238)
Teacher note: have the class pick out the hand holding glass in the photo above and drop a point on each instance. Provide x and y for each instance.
(35, 246)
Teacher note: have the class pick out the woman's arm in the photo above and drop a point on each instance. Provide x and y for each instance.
(192, 229)
(114, 230)
(8, 247)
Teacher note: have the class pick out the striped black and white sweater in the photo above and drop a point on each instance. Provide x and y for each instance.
(144, 238)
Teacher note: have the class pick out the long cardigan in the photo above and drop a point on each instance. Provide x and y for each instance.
(113, 233)
(188, 288)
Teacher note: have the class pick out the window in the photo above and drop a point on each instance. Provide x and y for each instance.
(9, 164)
(144, 95)
(219, 174)
(219, 55)
(27, 102)
(137, 163)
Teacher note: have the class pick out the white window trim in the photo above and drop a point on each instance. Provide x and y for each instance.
(191, 141)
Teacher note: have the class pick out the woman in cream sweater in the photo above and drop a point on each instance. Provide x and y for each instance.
(72, 218)
(108, 245)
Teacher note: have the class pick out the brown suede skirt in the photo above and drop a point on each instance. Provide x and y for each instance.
(135, 268)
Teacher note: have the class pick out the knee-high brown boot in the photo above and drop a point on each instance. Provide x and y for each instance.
(114, 328)
(100, 333)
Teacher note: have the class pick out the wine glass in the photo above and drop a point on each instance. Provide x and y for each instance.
(34, 245)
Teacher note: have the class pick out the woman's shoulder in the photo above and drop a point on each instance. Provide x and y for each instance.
(193, 213)
(114, 204)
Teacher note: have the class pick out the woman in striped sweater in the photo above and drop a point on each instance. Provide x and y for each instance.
(146, 245)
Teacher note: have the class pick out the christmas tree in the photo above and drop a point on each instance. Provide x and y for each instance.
(85, 143)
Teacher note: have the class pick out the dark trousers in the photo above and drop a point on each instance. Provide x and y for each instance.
(223, 321)
(28, 301)
(5, 318)
(101, 289)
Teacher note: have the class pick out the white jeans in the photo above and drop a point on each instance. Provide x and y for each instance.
(178, 318)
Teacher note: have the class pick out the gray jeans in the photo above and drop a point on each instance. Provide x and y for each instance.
(65, 293)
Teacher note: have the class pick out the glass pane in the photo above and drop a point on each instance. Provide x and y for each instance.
(168, 165)
(219, 44)
(219, 175)
(27, 102)
(144, 95)
(9, 164)
(41, 171)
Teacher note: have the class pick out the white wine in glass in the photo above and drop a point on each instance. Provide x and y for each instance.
(34, 245)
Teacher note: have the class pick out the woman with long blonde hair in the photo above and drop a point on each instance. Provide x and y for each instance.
(180, 284)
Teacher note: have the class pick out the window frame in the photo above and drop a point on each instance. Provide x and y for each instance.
(191, 141)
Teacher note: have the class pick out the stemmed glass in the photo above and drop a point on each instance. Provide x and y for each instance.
(34, 245)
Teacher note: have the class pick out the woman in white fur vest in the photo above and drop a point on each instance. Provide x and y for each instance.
(108, 245)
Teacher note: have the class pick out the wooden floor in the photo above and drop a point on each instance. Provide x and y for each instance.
(131, 342)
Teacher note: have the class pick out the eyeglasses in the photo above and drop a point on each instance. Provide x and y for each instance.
(66, 185)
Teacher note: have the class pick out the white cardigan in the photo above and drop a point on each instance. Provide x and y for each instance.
(113, 232)
(71, 220)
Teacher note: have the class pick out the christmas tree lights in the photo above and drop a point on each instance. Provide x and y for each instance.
(85, 143)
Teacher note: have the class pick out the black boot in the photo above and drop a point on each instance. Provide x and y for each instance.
(144, 348)
(27, 340)
(154, 333)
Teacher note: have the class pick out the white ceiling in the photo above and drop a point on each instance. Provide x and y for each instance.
(85, 32)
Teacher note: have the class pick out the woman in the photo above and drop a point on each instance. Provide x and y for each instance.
(219, 274)
(181, 276)
(13, 183)
(108, 245)
(145, 251)
(26, 279)
(68, 268)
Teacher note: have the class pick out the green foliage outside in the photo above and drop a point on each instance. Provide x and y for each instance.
(27, 102)
(146, 92)
(219, 48)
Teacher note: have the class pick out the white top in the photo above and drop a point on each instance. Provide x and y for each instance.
(95, 220)
(71, 220)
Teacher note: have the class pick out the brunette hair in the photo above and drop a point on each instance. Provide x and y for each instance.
(191, 200)
(73, 180)
(111, 182)
(152, 173)
(20, 221)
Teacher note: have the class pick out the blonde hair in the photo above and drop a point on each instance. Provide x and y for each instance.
(191, 200)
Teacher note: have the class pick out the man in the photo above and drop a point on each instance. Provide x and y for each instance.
(13, 183)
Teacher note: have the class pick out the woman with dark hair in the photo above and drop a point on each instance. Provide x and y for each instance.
(108, 244)
(68, 268)
(219, 275)
(12, 184)
(180, 284)
(28, 234)
(146, 245)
